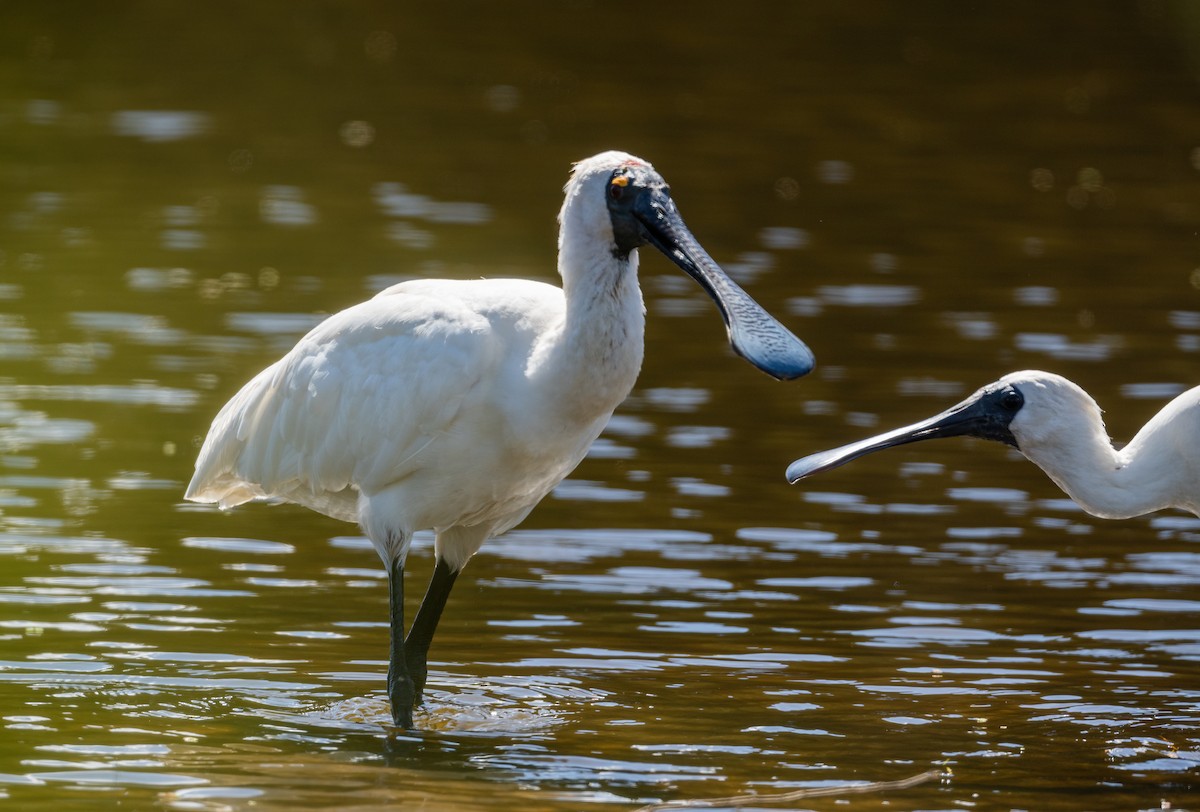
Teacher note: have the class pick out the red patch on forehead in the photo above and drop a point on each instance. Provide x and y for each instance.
(634, 162)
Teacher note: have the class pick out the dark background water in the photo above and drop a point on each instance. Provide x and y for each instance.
(930, 194)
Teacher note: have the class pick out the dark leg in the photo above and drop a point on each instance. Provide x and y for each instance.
(399, 683)
(416, 645)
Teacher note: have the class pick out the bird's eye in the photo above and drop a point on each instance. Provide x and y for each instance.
(1012, 400)
(616, 187)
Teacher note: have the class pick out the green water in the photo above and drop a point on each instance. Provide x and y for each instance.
(930, 194)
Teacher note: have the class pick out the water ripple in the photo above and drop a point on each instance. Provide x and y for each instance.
(160, 126)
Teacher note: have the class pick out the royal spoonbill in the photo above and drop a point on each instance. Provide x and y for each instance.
(455, 406)
(1058, 426)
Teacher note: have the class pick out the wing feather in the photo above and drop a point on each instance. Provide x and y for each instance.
(350, 406)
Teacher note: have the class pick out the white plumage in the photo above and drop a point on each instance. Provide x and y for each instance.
(363, 421)
(457, 405)
(1059, 427)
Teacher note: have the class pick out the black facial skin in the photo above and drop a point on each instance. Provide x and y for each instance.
(632, 189)
(987, 414)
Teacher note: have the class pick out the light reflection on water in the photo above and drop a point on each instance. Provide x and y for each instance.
(688, 627)
(674, 621)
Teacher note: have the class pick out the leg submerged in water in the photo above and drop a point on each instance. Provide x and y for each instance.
(416, 645)
(399, 682)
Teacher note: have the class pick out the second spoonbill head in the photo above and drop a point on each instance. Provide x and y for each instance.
(1059, 427)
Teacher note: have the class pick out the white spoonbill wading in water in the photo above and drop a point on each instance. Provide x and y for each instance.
(1058, 426)
(457, 405)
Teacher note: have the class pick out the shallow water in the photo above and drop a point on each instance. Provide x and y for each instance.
(930, 196)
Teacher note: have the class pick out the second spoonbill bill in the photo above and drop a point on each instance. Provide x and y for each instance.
(1059, 427)
(455, 406)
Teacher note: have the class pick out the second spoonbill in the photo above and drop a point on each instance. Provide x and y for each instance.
(1059, 427)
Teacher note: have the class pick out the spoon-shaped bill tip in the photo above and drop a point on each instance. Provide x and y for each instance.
(760, 339)
(836, 457)
(812, 464)
(753, 333)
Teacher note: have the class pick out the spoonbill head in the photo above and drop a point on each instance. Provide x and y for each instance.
(621, 203)
(457, 405)
(1059, 427)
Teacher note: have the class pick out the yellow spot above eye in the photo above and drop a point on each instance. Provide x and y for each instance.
(620, 180)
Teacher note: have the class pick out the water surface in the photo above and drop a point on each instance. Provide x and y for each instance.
(929, 195)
